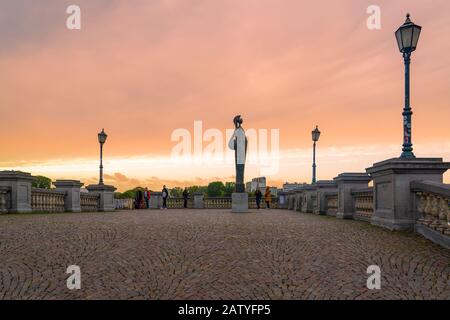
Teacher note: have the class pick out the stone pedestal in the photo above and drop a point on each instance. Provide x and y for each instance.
(106, 196)
(239, 202)
(282, 200)
(393, 200)
(19, 184)
(322, 187)
(156, 200)
(198, 201)
(308, 198)
(297, 202)
(72, 202)
(346, 182)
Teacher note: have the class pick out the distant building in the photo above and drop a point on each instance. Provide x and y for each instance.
(274, 191)
(291, 186)
(255, 183)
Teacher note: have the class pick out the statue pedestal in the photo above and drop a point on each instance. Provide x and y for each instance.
(239, 202)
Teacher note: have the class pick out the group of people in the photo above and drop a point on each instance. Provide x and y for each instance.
(267, 198)
(142, 200)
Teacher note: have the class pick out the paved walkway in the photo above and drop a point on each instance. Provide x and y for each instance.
(214, 254)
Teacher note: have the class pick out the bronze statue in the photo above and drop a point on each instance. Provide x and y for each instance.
(238, 143)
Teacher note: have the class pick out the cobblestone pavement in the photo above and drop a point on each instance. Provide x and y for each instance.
(214, 254)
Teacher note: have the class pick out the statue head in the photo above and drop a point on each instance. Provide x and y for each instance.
(237, 121)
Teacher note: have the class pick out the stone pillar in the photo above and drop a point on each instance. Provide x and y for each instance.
(308, 198)
(290, 202)
(239, 202)
(346, 182)
(72, 202)
(155, 200)
(322, 187)
(106, 196)
(20, 186)
(297, 200)
(198, 200)
(393, 199)
(282, 200)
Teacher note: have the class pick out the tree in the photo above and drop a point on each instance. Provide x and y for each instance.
(229, 189)
(215, 189)
(42, 182)
(196, 189)
(176, 192)
(129, 194)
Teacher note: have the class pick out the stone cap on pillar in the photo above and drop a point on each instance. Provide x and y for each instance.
(68, 184)
(13, 175)
(321, 184)
(410, 165)
(352, 177)
(197, 194)
(100, 187)
(155, 193)
(308, 187)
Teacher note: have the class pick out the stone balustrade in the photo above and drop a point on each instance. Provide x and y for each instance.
(331, 200)
(89, 202)
(5, 199)
(217, 203)
(432, 204)
(363, 200)
(43, 200)
(124, 204)
(178, 203)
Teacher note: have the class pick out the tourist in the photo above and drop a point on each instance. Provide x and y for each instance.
(267, 197)
(146, 197)
(185, 197)
(139, 199)
(165, 194)
(258, 196)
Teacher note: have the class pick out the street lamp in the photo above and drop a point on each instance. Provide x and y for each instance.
(407, 37)
(315, 137)
(101, 139)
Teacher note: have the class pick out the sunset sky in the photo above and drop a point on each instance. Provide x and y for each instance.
(142, 69)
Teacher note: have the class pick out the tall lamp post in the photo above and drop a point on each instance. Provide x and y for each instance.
(315, 137)
(407, 37)
(101, 139)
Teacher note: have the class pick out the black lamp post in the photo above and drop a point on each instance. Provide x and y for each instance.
(407, 37)
(315, 137)
(101, 139)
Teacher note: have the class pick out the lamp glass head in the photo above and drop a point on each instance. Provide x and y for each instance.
(102, 137)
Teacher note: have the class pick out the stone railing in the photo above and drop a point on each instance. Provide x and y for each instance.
(331, 203)
(432, 204)
(124, 204)
(252, 203)
(5, 199)
(89, 202)
(363, 202)
(217, 203)
(178, 203)
(43, 200)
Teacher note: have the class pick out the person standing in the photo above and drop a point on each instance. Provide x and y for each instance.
(268, 197)
(146, 198)
(165, 195)
(258, 197)
(185, 197)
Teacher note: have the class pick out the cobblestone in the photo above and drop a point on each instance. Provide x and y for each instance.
(206, 254)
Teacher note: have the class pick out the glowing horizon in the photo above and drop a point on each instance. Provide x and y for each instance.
(142, 70)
